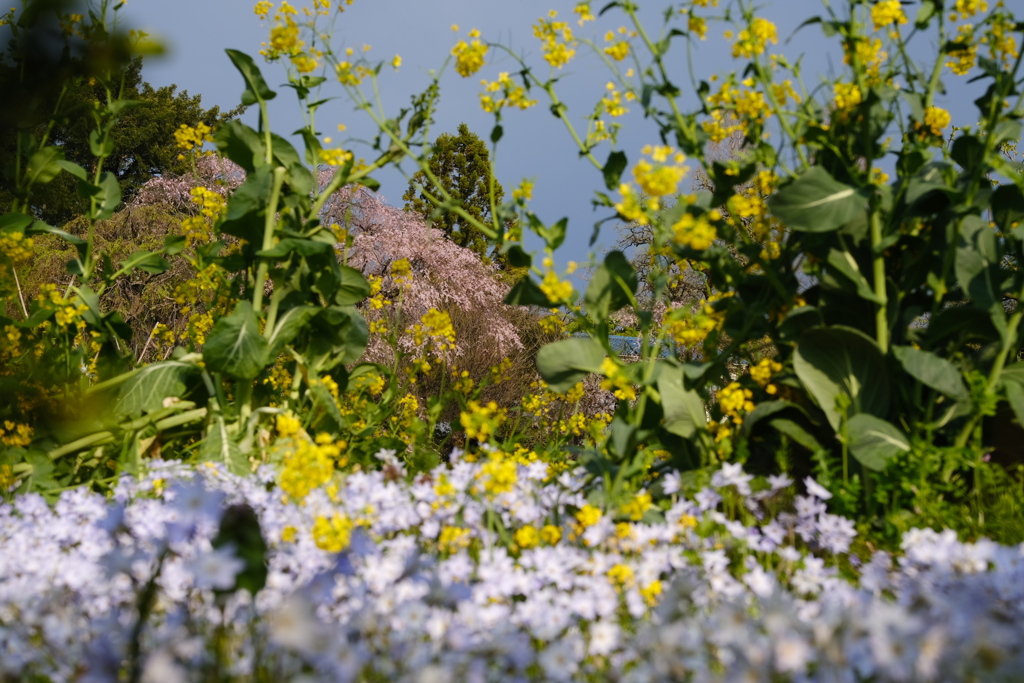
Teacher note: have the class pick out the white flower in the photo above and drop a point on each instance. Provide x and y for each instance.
(216, 568)
(671, 483)
(778, 482)
(558, 661)
(815, 489)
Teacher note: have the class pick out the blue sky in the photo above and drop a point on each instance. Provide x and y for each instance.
(196, 33)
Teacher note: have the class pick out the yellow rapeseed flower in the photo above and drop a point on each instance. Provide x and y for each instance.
(886, 13)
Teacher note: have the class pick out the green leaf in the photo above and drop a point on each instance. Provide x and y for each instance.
(174, 244)
(241, 144)
(834, 361)
(924, 14)
(218, 446)
(968, 151)
(844, 263)
(106, 196)
(288, 326)
(816, 202)
(256, 88)
(932, 371)
(516, 256)
(1014, 396)
(353, 288)
(15, 222)
(611, 287)
(564, 363)
(301, 246)
(74, 169)
(1008, 209)
(526, 293)
(235, 346)
(340, 337)
(117, 107)
(43, 166)
(147, 261)
(613, 169)
(977, 259)
(873, 441)
(42, 471)
(683, 409)
(101, 144)
(145, 391)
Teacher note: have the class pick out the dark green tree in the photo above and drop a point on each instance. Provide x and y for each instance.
(144, 143)
(462, 164)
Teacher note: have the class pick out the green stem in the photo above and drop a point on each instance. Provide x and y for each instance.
(878, 257)
(268, 237)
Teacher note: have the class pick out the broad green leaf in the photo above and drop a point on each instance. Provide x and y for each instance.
(148, 261)
(235, 346)
(968, 151)
(43, 166)
(174, 244)
(117, 107)
(613, 169)
(74, 169)
(816, 202)
(101, 144)
(256, 88)
(340, 337)
(564, 363)
(1015, 397)
(873, 441)
(932, 371)
(353, 288)
(218, 446)
(526, 293)
(611, 287)
(1008, 209)
(683, 409)
(106, 196)
(241, 144)
(834, 361)
(977, 258)
(844, 263)
(41, 477)
(289, 245)
(145, 391)
(15, 222)
(784, 417)
(516, 256)
(288, 325)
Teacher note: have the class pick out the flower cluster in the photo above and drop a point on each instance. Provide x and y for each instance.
(557, 42)
(513, 94)
(432, 580)
(469, 57)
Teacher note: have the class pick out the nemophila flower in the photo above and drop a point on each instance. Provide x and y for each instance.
(886, 13)
(732, 474)
(216, 568)
(815, 489)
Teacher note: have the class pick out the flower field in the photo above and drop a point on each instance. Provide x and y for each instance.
(257, 424)
(417, 580)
